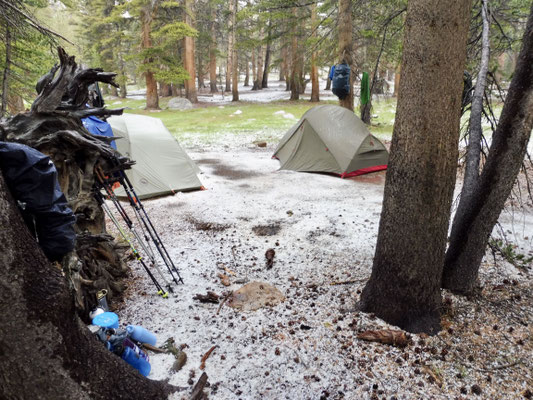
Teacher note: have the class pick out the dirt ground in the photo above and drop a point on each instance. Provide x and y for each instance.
(323, 230)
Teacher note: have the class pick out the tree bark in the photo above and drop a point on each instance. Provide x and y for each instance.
(296, 68)
(475, 220)
(228, 72)
(152, 99)
(254, 65)
(266, 69)
(123, 79)
(283, 67)
(247, 72)
(213, 53)
(200, 74)
(473, 153)
(231, 44)
(404, 287)
(164, 89)
(189, 55)
(345, 47)
(315, 89)
(397, 80)
(258, 81)
(234, 63)
(7, 72)
(49, 353)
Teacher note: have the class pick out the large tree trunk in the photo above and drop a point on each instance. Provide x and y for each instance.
(247, 72)
(231, 44)
(213, 53)
(228, 72)
(283, 67)
(164, 89)
(345, 47)
(254, 65)
(404, 287)
(152, 99)
(266, 69)
(296, 67)
(122, 79)
(314, 69)
(189, 57)
(258, 81)
(473, 153)
(397, 75)
(475, 220)
(234, 63)
(47, 352)
(200, 74)
(6, 73)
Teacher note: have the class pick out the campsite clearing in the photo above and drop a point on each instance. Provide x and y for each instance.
(323, 230)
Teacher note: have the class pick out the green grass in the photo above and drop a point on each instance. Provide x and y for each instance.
(258, 119)
(382, 122)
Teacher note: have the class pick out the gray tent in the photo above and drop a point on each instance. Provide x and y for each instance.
(162, 166)
(331, 139)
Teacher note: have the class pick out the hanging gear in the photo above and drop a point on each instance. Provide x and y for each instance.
(340, 84)
(365, 89)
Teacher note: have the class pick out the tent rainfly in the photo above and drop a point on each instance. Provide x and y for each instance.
(161, 165)
(331, 139)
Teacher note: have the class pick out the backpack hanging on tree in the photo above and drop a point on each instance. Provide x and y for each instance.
(341, 81)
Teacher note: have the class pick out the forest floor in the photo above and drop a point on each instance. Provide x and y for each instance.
(323, 230)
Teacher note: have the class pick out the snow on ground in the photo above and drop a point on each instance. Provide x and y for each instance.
(324, 231)
(275, 92)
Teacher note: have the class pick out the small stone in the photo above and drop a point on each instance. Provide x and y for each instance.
(476, 389)
(277, 351)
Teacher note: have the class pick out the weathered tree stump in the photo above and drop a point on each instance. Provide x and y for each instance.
(54, 127)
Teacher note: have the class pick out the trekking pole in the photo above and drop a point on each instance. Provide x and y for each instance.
(138, 207)
(103, 181)
(106, 209)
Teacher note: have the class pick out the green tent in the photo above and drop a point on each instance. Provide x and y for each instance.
(161, 165)
(331, 139)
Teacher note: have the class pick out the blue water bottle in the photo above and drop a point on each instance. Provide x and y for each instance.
(141, 335)
(133, 358)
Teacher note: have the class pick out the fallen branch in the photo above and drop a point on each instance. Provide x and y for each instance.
(224, 300)
(153, 349)
(197, 391)
(206, 356)
(385, 336)
(348, 282)
(499, 367)
(210, 297)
